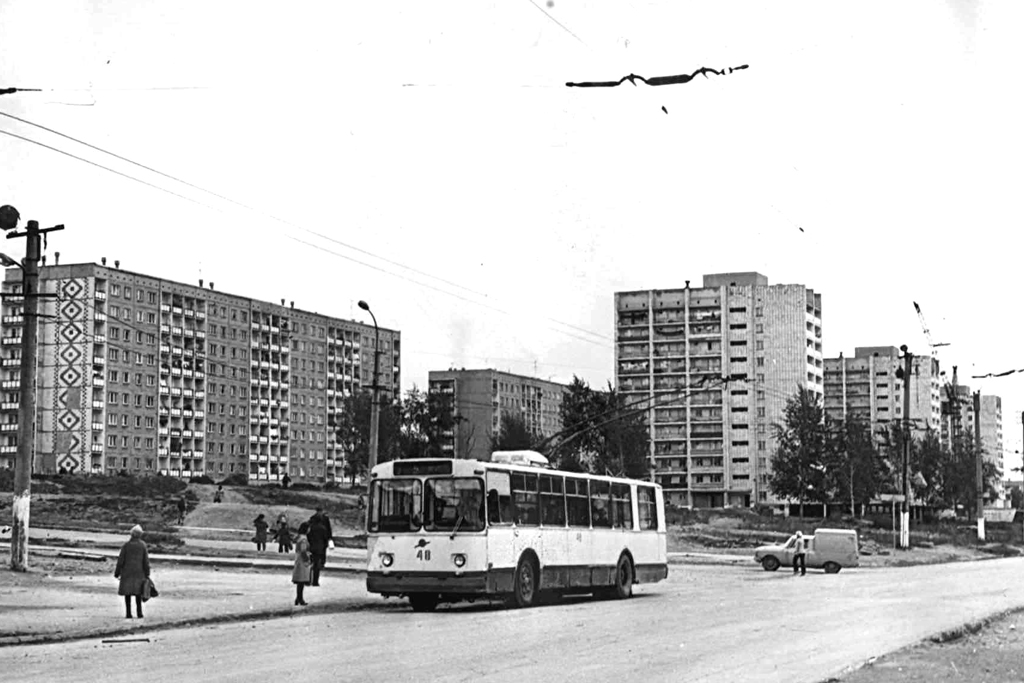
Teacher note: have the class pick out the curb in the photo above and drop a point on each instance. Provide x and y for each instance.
(940, 638)
(134, 629)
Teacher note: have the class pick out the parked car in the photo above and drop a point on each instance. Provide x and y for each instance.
(828, 549)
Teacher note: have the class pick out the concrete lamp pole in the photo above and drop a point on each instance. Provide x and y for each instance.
(908, 368)
(375, 406)
(27, 407)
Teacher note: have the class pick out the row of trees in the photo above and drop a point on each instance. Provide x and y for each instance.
(600, 433)
(820, 460)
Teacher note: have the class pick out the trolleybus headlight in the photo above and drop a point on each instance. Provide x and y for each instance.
(387, 559)
(459, 559)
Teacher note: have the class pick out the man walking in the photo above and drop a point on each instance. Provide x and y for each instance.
(799, 555)
(181, 510)
(318, 537)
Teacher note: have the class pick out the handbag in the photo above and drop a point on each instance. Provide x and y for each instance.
(149, 590)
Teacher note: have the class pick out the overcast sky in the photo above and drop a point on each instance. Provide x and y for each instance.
(427, 157)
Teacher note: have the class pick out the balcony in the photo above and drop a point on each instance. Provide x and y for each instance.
(10, 383)
(11, 362)
(9, 405)
(189, 313)
(97, 405)
(97, 426)
(176, 310)
(11, 340)
(99, 317)
(162, 452)
(99, 360)
(200, 414)
(99, 339)
(9, 427)
(8, 449)
(99, 296)
(13, 320)
(97, 448)
(98, 382)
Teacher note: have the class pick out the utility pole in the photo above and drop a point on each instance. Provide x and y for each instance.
(27, 406)
(908, 363)
(978, 471)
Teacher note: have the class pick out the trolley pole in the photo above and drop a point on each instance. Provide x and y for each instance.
(978, 473)
(27, 406)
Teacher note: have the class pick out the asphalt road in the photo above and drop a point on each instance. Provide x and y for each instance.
(706, 623)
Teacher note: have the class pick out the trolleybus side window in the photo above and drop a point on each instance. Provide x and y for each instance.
(622, 506)
(552, 503)
(577, 502)
(499, 498)
(600, 501)
(396, 505)
(456, 504)
(524, 498)
(647, 507)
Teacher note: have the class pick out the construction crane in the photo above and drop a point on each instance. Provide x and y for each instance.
(927, 332)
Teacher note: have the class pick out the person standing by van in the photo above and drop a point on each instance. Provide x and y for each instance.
(799, 555)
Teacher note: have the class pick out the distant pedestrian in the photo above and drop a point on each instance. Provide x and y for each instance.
(318, 538)
(261, 533)
(302, 572)
(799, 555)
(218, 496)
(133, 571)
(283, 536)
(181, 510)
(285, 480)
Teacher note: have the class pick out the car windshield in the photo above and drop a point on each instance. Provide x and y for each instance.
(397, 505)
(454, 504)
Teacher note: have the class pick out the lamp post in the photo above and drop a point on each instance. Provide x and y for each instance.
(375, 406)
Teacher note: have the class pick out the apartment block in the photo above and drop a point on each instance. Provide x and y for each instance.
(865, 388)
(141, 374)
(714, 366)
(484, 397)
(960, 415)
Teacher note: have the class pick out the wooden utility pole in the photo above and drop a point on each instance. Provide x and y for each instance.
(27, 406)
(978, 472)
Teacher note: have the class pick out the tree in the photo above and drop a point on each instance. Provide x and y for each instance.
(429, 422)
(352, 429)
(600, 433)
(854, 466)
(798, 470)
(513, 434)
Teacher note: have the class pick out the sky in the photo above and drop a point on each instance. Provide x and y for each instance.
(427, 157)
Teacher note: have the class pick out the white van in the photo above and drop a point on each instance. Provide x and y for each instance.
(828, 549)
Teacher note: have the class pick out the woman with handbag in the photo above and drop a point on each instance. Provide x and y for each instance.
(303, 563)
(133, 571)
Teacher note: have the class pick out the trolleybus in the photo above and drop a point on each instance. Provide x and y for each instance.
(441, 530)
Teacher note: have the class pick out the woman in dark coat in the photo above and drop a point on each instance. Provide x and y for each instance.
(133, 571)
(284, 539)
(303, 563)
(261, 533)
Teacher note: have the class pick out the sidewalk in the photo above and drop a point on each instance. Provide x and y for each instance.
(50, 608)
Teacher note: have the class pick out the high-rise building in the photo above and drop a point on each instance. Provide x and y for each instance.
(144, 375)
(865, 388)
(961, 417)
(484, 397)
(715, 366)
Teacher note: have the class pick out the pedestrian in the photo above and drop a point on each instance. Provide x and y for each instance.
(303, 564)
(799, 555)
(283, 536)
(261, 533)
(317, 538)
(285, 480)
(181, 510)
(133, 571)
(324, 520)
(219, 495)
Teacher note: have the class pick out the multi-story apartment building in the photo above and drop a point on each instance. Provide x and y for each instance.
(483, 397)
(144, 375)
(711, 437)
(865, 388)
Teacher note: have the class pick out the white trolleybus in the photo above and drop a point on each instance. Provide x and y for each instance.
(512, 528)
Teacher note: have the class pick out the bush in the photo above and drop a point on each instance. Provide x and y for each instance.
(236, 479)
(201, 479)
(303, 486)
(158, 486)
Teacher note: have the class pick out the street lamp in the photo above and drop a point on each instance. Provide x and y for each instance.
(375, 406)
(8, 262)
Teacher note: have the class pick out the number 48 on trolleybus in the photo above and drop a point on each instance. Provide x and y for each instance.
(512, 528)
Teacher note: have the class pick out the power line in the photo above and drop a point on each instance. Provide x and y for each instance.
(268, 215)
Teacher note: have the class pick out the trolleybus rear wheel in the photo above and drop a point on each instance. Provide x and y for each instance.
(524, 590)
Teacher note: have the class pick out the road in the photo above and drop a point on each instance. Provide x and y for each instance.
(706, 623)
